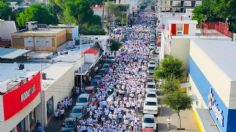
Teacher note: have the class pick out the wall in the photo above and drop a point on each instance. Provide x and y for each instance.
(180, 49)
(90, 58)
(204, 87)
(213, 73)
(6, 28)
(12, 122)
(60, 88)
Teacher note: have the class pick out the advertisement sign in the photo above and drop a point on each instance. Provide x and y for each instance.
(212, 105)
(18, 98)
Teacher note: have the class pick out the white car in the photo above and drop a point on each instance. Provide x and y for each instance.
(151, 70)
(152, 96)
(148, 121)
(152, 63)
(151, 87)
(150, 106)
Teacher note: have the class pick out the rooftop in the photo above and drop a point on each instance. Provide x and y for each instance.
(222, 53)
(10, 71)
(11, 53)
(52, 76)
(39, 32)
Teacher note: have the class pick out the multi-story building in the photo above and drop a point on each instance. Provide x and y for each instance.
(177, 5)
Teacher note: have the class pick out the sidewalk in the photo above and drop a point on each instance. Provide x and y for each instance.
(186, 116)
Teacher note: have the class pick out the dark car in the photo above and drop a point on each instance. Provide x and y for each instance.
(68, 125)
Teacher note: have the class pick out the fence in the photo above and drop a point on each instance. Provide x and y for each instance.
(219, 26)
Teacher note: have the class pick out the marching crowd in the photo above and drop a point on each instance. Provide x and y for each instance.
(121, 91)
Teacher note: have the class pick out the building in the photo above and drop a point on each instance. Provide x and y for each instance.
(212, 76)
(6, 28)
(177, 31)
(20, 96)
(177, 5)
(55, 87)
(72, 31)
(99, 11)
(47, 39)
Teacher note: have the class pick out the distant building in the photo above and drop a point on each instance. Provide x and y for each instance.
(177, 5)
(6, 28)
(43, 37)
(99, 11)
(176, 33)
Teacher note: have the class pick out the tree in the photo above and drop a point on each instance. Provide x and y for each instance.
(36, 12)
(5, 10)
(170, 67)
(178, 101)
(216, 10)
(170, 85)
(115, 45)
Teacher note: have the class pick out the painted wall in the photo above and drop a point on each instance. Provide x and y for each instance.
(213, 73)
(204, 87)
(60, 88)
(6, 28)
(180, 50)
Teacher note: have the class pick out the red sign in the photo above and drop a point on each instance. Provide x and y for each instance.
(18, 98)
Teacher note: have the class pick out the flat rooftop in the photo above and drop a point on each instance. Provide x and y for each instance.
(39, 32)
(221, 52)
(10, 71)
(52, 76)
(12, 53)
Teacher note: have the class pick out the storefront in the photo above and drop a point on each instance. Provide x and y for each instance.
(20, 116)
(212, 76)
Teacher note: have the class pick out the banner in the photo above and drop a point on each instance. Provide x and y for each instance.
(18, 98)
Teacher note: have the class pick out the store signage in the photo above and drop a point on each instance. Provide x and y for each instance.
(212, 105)
(21, 96)
(27, 93)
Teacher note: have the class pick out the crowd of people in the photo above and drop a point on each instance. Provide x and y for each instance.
(121, 91)
(61, 106)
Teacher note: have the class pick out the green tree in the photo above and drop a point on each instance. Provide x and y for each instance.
(178, 101)
(36, 12)
(5, 11)
(115, 45)
(170, 85)
(170, 67)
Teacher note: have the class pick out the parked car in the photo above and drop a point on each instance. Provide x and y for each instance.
(148, 121)
(96, 80)
(91, 90)
(152, 63)
(152, 96)
(83, 100)
(150, 80)
(151, 70)
(150, 106)
(151, 87)
(68, 125)
(77, 112)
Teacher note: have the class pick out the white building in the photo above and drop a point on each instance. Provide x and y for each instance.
(176, 35)
(56, 86)
(20, 98)
(212, 77)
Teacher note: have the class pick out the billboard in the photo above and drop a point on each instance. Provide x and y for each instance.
(18, 98)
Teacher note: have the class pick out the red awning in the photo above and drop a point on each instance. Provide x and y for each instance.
(91, 51)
